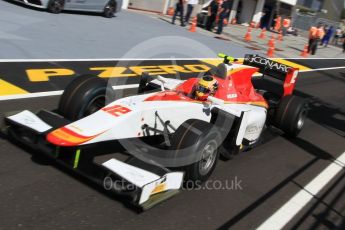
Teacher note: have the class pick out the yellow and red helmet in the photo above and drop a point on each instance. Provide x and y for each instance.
(207, 85)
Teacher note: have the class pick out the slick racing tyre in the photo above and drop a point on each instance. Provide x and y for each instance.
(84, 96)
(109, 9)
(290, 115)
(56, 6)
(201, 141)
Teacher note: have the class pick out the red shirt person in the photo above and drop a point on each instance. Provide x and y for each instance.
(315, 35)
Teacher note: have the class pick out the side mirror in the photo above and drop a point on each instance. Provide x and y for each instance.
(227, 59)
(215, 100)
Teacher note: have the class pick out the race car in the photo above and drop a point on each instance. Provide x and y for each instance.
(107, 7)
(172, 131)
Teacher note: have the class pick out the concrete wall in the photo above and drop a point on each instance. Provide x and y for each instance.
(151, 5)
(248, 9)
(258, 11)
(304, 22)
(160, 6)
(124, 4)
(332, 17)
(334, 9)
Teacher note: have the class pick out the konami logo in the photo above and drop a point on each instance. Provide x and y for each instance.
(272, 65)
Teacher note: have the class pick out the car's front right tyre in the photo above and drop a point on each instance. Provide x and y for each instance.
(198, 141)
(290, 115)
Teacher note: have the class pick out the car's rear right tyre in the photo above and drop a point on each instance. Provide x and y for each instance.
(56, 6)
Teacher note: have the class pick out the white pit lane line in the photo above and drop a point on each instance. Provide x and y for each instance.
(56, 93)
(292, 207)
(322, 69)
(59, 92)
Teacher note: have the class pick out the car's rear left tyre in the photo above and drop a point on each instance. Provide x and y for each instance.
(56, 6)
(201, 141)
(291, 115)
(110, 9)
(84, 96)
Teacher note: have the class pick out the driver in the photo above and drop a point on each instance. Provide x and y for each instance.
(206, 86)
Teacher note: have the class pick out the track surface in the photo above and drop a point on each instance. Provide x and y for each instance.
(35, 195)
(31, 33)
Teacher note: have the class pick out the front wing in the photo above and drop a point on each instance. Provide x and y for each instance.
(146, 184)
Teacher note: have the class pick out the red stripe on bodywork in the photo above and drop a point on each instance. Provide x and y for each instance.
(66, 137)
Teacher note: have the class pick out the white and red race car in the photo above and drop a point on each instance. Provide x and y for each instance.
(166, 134)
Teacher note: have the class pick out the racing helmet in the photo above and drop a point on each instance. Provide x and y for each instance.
(207, 85)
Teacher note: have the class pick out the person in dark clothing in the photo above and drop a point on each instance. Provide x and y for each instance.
(328, 36)
(179, 10)
(223, 12)
(263, 20)
(212, 14)
(343, 42)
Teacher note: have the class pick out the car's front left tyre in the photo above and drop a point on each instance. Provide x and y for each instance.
(56, 6)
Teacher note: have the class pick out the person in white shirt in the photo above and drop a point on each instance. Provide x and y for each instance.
(337, 36)
(190, 7)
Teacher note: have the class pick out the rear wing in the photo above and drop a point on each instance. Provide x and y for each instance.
(282, 72)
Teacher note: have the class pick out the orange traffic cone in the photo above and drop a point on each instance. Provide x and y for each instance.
(271, 42)
(171, 11)
(305, 51)
(193, 25)
(280, 36)
(248, 36)
(262, 34)
(270, 52)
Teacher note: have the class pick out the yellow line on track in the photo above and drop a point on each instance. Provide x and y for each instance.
(292, 64)
(7, 88)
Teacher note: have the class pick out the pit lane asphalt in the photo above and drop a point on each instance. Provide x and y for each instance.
(31, 33)
(35, 195)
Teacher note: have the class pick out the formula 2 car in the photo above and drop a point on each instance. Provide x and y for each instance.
(171, 131)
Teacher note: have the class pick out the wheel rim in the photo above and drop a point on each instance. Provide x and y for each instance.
(208, 157)
(94, 105)
(56, 6)
(301, 120)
